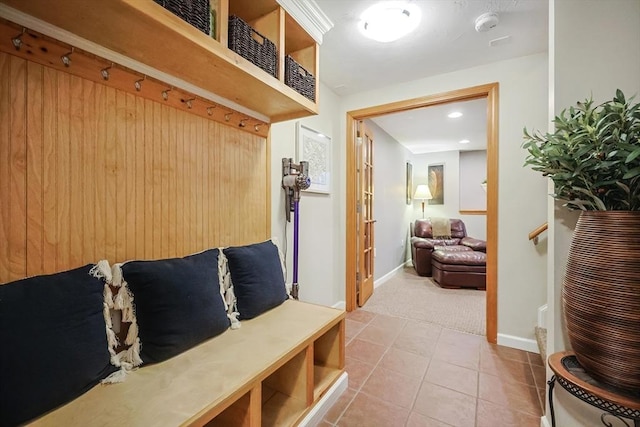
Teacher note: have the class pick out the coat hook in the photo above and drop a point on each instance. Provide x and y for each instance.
(210, 110)
(138, 83)
(105, 72)
(66, 58)
(189, 102)
(243, 123)
(227, 117)
(17, 40)
(257, 127)
(165, 93)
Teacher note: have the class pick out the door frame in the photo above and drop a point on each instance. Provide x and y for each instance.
(488, 91)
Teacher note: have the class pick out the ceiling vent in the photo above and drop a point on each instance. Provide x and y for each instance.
(486, 21)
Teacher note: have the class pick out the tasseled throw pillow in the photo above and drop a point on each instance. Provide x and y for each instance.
(55, 340)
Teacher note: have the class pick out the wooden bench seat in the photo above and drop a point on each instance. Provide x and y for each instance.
(271, 371)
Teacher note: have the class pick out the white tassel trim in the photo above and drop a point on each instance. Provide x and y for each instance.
(133, 353)
(108, 295)
(112, 341)
(223, 273)
(107, 315)
(117, 377)
(132, 333)
(226, 290)
(102, 271)
(116, 273)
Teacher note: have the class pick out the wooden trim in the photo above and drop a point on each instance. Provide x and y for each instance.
(352, 198)
(472, 212)
(538, 231)
(492, 212)
(489, 91)
(47, 51)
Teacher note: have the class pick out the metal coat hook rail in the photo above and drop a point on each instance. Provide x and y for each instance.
(55, 54)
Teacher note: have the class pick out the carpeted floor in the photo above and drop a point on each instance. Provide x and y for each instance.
(413, 297)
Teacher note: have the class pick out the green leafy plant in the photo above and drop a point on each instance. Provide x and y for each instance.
(593, 157)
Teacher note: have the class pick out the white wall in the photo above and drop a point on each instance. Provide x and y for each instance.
(594, 50)
(476, 224)
(473, 171)
(522, 101)
(320, 249)
(390, 209)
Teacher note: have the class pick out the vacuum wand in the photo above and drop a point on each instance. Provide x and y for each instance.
(295, 178)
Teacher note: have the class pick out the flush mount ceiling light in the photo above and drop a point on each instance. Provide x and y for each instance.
(454, 115)
(464, 141)
(389, 20)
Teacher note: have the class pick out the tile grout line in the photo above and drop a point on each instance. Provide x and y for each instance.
(358, 390)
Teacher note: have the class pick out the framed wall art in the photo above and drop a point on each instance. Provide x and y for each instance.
(409, 188)
(315, 148)
(435, 175)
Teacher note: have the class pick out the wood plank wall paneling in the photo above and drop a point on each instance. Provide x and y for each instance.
(89, 172)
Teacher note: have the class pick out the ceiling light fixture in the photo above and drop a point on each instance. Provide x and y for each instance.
(389, 20)
(454, 115)
(464, 141)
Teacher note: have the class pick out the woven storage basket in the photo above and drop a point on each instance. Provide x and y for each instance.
(195, 12)
(252, 45)
(296, 77)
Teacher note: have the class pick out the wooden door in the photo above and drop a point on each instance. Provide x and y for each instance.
(365, 222)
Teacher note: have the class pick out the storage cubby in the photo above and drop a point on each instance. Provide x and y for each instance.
(239, 413)
(328, 359)
(133, 28)
(285, 393)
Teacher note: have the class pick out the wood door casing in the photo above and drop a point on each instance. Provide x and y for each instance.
(489, 91)
(366, 229)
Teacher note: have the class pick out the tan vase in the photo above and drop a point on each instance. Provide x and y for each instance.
(601, 296)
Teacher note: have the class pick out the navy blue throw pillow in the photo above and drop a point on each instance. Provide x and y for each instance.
(256, 274)
(54, 342)
(177, 303)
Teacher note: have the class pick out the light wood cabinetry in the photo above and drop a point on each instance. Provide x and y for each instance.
(270, 372)
(146, 32)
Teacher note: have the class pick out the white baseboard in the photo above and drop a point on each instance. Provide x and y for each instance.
(340, 305)
(542, 316)
(519, 343)
(316, 415)
(544, 422)
(387, 276)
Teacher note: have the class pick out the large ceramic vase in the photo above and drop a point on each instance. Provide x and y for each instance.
(601, 296)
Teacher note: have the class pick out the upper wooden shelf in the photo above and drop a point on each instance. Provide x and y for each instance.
(146, 32)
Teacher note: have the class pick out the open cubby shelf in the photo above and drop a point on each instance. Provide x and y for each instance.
(134, 27)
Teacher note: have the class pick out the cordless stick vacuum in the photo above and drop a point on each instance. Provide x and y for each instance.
(295, 178)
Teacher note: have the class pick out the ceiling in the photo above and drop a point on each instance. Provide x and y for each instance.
(445, 41)
(428, 130)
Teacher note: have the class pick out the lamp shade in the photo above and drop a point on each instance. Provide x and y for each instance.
(422, 192)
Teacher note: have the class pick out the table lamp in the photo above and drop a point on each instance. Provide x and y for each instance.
(422, 193)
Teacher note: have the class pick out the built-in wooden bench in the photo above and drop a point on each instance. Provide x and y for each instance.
(270, 372)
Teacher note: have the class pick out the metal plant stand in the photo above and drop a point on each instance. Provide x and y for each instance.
(572, 377)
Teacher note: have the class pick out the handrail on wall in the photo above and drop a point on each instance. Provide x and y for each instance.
(536, 233)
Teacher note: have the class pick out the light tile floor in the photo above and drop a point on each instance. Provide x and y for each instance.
(409, 373)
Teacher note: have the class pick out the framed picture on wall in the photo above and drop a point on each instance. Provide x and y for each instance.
(315, 148)
(409, 189)
(436, 183)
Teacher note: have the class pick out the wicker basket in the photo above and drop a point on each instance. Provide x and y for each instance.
(296, 77)
(252, 45)
(195, 12)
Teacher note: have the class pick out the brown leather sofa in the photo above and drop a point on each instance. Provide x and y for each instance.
(423, 243)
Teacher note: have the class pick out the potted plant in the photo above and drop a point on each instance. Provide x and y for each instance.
(593, 158)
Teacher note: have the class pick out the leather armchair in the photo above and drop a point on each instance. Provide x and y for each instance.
(423, 243)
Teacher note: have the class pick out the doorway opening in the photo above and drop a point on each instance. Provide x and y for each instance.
(488, 91)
